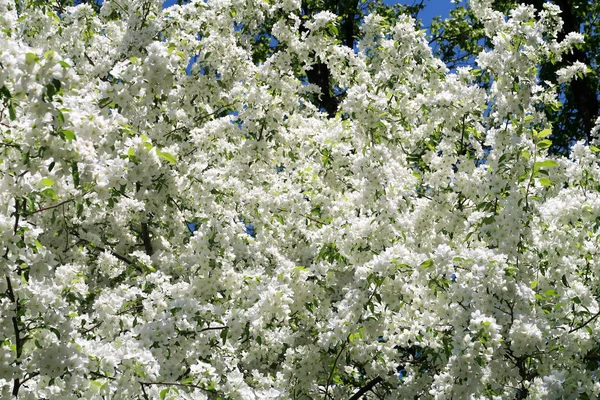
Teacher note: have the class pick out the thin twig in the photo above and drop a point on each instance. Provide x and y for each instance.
(213, 328)
(174, 384)
(89, 59)
(333, 368)
(98, 374)
(313, 219)
(366, 388)
(59, 204)
(31, 376)
(116, 255)
(585, 323)
(19, 341)
(16, 226)
(144, 391)
(51, 207)
(92, 328)
(305, 216)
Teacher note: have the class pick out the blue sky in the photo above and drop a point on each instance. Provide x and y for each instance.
(432, 8)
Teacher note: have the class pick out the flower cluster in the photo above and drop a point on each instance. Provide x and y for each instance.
(179, 220)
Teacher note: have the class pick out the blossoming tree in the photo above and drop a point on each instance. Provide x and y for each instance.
(419, 244)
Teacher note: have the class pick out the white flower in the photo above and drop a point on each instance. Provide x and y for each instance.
(578, 69)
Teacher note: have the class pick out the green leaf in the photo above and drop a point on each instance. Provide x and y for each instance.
(594, 149)
(104, 102)
(522, 177)
(168, 156)
(55, 331)
(545, 163)
(554, 106)
(163, 393)
(68, 134)
(150, 268)
(11, 112)
(223, 335)
(75, 175)
(534, 284)
(332, 29)
(64, 64)
(589, 329)
(49, 54)
(489, 220)
(279, 218)
(544, 144)
(30, 203)
(49, 192)
(4, 92)
(542, 134)
(31, 58)
(50, 91)
(469, 235)
(427, 263)
(551, 292)
(354, 336)
(546, 182)
(47, 182)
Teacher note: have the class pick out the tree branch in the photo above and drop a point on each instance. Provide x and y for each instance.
(189, 385)
(585, 323)
(366, 388)
(333, 368)
(213, 328)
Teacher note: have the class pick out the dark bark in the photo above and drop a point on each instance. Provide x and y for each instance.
(579, 115)
(350, 13)
(584, 96)
(146, 239)
(320, 74)
(366, 388)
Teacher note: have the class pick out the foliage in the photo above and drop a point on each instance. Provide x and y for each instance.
(460, 38)
(202, 230)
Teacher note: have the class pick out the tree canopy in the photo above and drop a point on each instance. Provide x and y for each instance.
(250, 199)
(461, 37)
